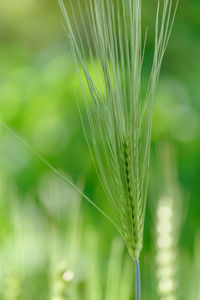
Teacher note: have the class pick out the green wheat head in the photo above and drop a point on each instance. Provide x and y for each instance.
(119, 118)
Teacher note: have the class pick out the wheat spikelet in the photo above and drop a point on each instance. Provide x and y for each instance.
(171, 209)
(60, 281)
(133, 207)
(119, 119)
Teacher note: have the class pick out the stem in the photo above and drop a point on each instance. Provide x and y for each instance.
(137, 280)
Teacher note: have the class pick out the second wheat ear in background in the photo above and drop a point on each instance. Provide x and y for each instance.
(109, 34)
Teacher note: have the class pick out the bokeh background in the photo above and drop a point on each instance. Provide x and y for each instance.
(53, 244)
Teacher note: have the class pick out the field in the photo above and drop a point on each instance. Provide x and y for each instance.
(54, 245)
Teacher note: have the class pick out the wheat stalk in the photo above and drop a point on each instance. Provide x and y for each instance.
(119, 119)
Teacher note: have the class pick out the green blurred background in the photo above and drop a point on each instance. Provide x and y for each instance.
(41, 218)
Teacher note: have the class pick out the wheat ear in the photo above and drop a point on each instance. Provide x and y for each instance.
(119, 119)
